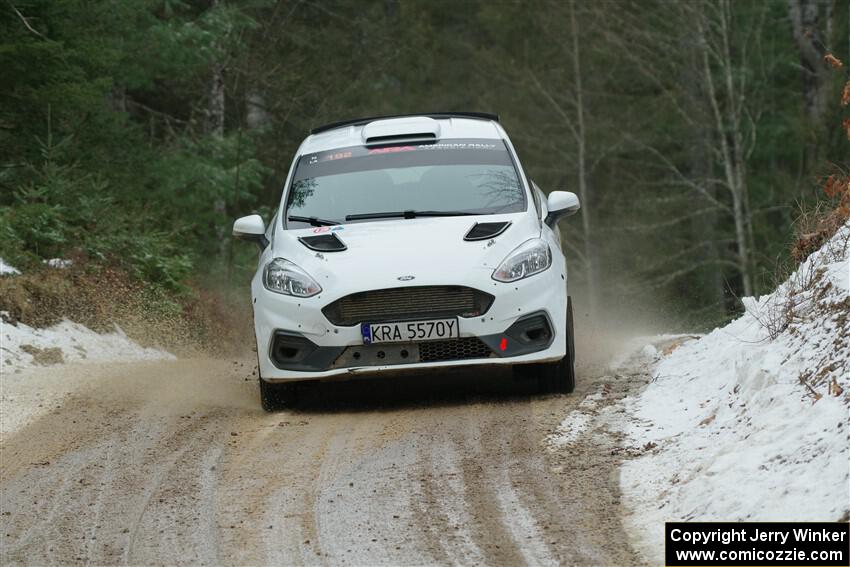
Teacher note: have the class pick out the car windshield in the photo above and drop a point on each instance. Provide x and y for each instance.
(458, 176)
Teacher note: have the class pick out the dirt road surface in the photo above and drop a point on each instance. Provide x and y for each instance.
(175, 463)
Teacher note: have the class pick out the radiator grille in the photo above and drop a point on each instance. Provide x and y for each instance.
(407, 303)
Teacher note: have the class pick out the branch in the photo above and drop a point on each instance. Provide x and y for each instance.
(574, 249)
(148, 109)
(25, 21)
(558, 108)
(670, 277)
(605, 153)
(665, 223)
(648, 65)
(682, 177)
(725, 151)
(667, 261)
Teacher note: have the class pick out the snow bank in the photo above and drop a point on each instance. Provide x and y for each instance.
(29, 387)
(750, 422)
(7, 270)
(24, 347)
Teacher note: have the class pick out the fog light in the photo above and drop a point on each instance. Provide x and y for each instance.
(289, 348)
(284, 352)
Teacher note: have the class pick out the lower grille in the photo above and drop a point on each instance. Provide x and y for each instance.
(411, 353)
(408, 303)
(454, 349)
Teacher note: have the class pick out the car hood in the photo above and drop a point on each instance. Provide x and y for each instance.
(423, 251)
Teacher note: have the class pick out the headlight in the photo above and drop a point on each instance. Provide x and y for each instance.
(529, 258)
(282, 276)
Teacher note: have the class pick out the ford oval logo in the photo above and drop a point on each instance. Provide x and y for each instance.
(405, 278)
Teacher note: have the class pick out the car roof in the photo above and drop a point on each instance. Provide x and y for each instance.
(448, 126)
(363, 121)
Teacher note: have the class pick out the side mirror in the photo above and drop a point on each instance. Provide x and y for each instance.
(251, 228)
(561, 204)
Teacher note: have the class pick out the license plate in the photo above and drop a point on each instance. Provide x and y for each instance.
(409, 331)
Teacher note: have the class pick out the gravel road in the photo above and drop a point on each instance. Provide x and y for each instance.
(175, 463)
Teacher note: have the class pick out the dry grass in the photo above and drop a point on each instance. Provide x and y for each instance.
(798, 293)
(813, 227)
(200, 321)
(790, 302)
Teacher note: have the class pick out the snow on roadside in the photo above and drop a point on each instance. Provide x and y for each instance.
(29, 386)
(22, 346)
(7, 270)
(596, 408)
(58, 263)
(750, 422)
(576, 422)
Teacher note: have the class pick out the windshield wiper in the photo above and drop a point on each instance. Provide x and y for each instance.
(312, 221)
(407, 215)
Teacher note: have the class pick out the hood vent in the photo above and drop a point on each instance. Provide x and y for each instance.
(485, 230)
(323, 243)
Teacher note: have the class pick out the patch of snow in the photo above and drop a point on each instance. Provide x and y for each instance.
(59, 263)
(644, 345)
(733, 432)
(650, 352)
(22, 346)
(576, 422)
(839, 274)
(7, 270)
(28, 385)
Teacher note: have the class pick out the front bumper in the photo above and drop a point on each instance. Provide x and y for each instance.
(295, 341)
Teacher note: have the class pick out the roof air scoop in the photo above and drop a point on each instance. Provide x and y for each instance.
(486, 230)
(323, 243)
(394, 130)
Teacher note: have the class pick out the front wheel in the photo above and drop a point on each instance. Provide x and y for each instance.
(560, 377)
(275, 397)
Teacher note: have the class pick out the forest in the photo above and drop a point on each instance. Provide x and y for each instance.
(699, 135)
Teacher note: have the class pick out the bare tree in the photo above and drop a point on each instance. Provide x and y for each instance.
(215, 106)
(734, 110)
(724, 105)
(569, 103)
(215, 112)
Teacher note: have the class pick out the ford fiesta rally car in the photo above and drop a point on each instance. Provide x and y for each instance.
(410, 242)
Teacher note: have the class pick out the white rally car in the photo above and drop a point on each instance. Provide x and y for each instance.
(410, 242)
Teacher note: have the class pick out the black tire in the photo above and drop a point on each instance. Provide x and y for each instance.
(275, 397)
(560, 377)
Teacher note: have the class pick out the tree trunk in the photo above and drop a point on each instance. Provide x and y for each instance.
(118, 98)
(583, 170)
(727, 108)
(215, 127)
(811, 21)
(215, 110)
(256, 115)
(704, 226)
